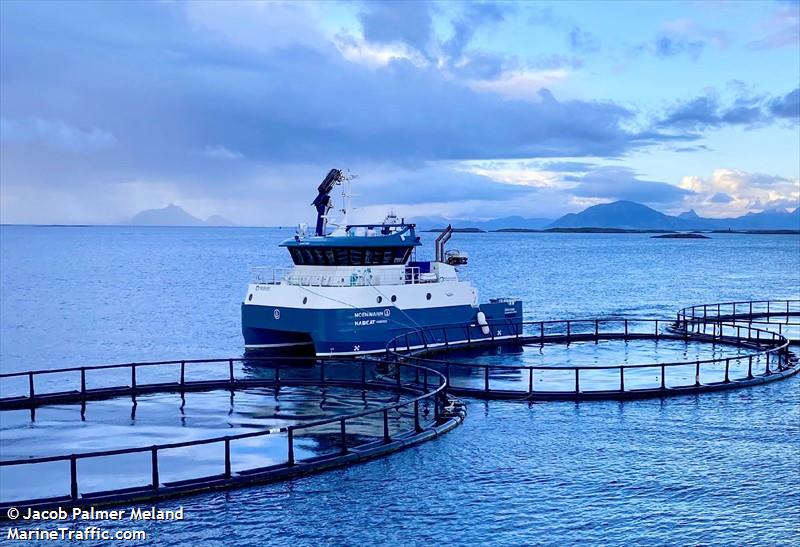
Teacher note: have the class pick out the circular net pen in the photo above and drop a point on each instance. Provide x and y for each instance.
(735, 356)
(418, 411)
(781, 316)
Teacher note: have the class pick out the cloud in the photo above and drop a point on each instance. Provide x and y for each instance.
(733, 192)
(706, 111)
(567, 166)
(220, 152)
(386, 22)
(780, 29)
(787, 106)
(474, 16)
(582, 41)
(621, 183)
(54, 133)
(720, 197)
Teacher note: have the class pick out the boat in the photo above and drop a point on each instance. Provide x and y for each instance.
(355, 288)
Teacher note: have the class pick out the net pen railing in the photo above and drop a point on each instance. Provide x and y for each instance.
(768, 354)
(425, 386)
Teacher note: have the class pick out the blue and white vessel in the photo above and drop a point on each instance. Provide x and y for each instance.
(359, 286)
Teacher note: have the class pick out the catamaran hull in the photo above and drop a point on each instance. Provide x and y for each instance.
(348, 331)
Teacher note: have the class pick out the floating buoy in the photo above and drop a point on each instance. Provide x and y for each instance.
(481, 317)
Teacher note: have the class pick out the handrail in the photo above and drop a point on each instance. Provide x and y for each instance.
(627, 321)
(431, 389)
(415, 346)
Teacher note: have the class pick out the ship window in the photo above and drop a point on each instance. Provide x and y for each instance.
(297, 256)
(394, 298)
(356, 257)
(428, 296)
(305, 300)
(344, 256)
(249, 298)
(379, 299)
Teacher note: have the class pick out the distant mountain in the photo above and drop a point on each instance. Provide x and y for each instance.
(620, 214)
(635, 216)
(217, 220)
(485, 225)
(690, 214)
(172, 215)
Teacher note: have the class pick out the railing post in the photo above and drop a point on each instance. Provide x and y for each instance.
(230, 371)
(596, 330)
(227, 457)
(541, 331)
(486, 379)
(290, 448)
(530, 380)
(83, 381)
(766, 364)
(154, 466)
(31, 392)
(656, 329)
(417, 427)
(386, 438)
(697, 374)
(343, 435)
(767, 308)
(568, 331)
(663, 377)
(750, 312)
(626, 327)
(750, 367)
(183, 373)
(727, 369)
(622, 378)
(133, 376)
(577, 380)
(73, 477)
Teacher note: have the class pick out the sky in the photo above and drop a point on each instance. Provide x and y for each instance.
(467, 110)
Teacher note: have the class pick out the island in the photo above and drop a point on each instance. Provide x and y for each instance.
(692, 235)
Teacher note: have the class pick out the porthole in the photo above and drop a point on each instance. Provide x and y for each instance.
(428, 296)
(305, 300)
(379, 299)
(249, 298)
(394, 298)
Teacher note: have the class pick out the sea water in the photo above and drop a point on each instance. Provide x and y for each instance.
(719, 468)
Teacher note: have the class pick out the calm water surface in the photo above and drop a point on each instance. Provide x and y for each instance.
(716, 469)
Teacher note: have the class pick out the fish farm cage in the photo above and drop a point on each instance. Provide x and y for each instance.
(423, 366)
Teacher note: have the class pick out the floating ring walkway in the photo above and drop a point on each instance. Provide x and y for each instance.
(754, 312)
(415, 366)
(426, 387)
(768, 361)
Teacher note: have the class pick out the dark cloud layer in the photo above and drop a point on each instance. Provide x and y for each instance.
(707, 112)
(165, 92)
(622, 183)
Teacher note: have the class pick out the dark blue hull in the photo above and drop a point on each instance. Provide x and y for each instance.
(359, 331)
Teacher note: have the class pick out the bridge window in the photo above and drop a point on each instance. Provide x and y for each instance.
(349, 256)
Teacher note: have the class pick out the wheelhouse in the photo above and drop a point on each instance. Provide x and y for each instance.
(356, 245)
